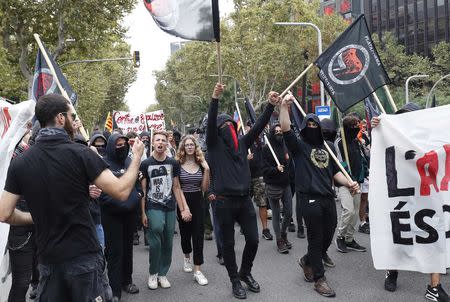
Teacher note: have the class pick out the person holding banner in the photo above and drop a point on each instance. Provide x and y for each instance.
(315, 172)
(227, 156)
(53, 176)
(434, 291)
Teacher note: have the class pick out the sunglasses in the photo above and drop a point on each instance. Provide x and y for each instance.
(73, 115)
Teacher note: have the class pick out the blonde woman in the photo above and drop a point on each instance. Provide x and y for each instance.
(194, 179)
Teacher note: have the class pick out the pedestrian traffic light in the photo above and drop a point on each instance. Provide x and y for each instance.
(136, 59)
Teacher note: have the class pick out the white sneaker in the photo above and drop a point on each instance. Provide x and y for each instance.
(153, 281)
(200, 278)
(269, 214)
(163, 282)
(187, 266)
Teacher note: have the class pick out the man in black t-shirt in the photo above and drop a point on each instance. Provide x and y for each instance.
(54, 177)
(315, 171)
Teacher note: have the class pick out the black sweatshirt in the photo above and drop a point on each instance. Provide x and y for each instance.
(230, 170)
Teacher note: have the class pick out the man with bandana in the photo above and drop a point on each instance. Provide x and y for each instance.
(315, 172)
(227, 156)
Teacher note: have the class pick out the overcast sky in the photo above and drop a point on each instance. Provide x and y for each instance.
(154, 47)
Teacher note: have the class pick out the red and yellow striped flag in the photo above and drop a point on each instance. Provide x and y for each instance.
(109, 122)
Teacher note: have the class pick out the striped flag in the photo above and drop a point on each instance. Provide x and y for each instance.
(238, 121)
(109, 122)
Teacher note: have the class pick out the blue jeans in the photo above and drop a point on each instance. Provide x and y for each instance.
(100, 234)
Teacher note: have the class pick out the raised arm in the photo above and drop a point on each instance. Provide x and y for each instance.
(285, 121)
(211, 129)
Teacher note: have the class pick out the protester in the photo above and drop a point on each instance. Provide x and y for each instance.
(314, 175)
(162, 186)
(364, 138)
(231, 181)
(194, 179)
(53, 177)
(145, 138)
(257, 190)
(357, 166)
(171, 148)
(434, 291)
(276, 178)
(98, 141)
(119, 219)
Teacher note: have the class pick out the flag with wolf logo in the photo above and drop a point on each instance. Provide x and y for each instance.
(187, 19)
(350, 68)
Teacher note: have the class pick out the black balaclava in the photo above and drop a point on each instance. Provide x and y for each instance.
(228, 133)
(328, 129)
(122, 152)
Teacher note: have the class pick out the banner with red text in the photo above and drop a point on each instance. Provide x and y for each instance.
(409, 198)
(139, 122)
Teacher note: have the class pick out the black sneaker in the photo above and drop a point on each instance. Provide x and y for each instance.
(301, 232)
(340, 245)
(281, 247)
(436, 293)
(266, 234)
(390, 281)
(220, 260)
(286, 241)
(291, 228)
(327, 261)
(355, 246)
(239, 291)
(364, 228)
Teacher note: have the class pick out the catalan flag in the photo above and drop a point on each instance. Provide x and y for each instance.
(238, 121)
(109, 122)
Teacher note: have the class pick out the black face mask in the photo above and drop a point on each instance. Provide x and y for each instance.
(101, 150)
(278, 138)
(329, 135)
(122, 153)
(146, 143)
(312, 135)
(226, 133)
(352, 133)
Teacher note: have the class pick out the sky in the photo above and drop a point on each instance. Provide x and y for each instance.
(154, 47)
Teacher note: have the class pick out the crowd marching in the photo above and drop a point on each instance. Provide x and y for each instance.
(75, 206)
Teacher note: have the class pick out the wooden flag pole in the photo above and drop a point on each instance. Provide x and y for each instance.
(242, 123)
(297, 79)
(63, 92)
(375, 96)
(145, 121)
(219, 62)
(389, 95)
(344, 144)
(271, 150)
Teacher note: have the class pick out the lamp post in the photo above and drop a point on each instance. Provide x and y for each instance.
(434, 86)
(407, 84)
(319, 45)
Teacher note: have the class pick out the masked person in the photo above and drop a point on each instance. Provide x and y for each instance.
(98, 141)
(434, 291)
(145, 138)
(227, 156)
(357, 166)
(315, 172)
(53, 176)
(277, 180)
(119, 219)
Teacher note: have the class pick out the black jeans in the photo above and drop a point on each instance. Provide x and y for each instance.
(231, 209)
(321, 221)
(119, 230)
(22, 252)
(81, 279)
(193, 231)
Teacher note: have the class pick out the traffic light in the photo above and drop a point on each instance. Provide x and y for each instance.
(136, 59)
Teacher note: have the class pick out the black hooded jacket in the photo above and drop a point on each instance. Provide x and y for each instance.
(271, 174)
(118, 168)
(229, 167)
(314, 167)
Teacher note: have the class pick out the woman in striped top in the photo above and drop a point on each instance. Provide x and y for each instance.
(194, 179)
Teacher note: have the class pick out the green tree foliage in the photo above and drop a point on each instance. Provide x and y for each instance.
(96, 31)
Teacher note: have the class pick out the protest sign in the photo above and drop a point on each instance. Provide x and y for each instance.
(139, 122)
(409, 197)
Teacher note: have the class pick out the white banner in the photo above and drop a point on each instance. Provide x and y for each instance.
(13, 125)
(138, 123)
(409, 199)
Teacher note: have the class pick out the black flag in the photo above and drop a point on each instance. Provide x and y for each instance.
(350, 68)
(187, 19)
(250, 111)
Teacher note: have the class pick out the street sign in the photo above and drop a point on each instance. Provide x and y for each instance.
(323, 112)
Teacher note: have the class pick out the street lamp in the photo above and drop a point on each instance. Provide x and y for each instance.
(407, 84)
(319, 45)
(435, 84)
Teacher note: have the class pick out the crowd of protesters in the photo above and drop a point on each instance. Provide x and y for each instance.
(75, 205)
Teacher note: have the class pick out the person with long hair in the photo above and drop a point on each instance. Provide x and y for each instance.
(194, 179)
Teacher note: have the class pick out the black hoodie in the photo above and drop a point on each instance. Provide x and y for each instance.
(118, 168)
(314, 167)
(271, 173)
(229, 166)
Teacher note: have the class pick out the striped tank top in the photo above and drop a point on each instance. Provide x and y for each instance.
(191, 182)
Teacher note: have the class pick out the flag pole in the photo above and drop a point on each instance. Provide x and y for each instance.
(63, 92)
(151, 141)
(336, 160)
(242, 122)
(145, 121)
(219, 62)
(389, 95)
(375, 96)
(297, 79)
(344, 142)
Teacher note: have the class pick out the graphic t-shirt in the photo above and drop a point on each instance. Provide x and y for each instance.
(159, 176)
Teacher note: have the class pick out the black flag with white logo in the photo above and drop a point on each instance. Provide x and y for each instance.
(350, 68)
(187, 19)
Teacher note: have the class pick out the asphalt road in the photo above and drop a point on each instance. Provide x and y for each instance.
(281, 279)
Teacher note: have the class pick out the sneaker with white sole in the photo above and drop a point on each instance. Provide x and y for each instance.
(436, 294)
(163, 282)
(153, 281)
(187, 266)
(200, 278)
